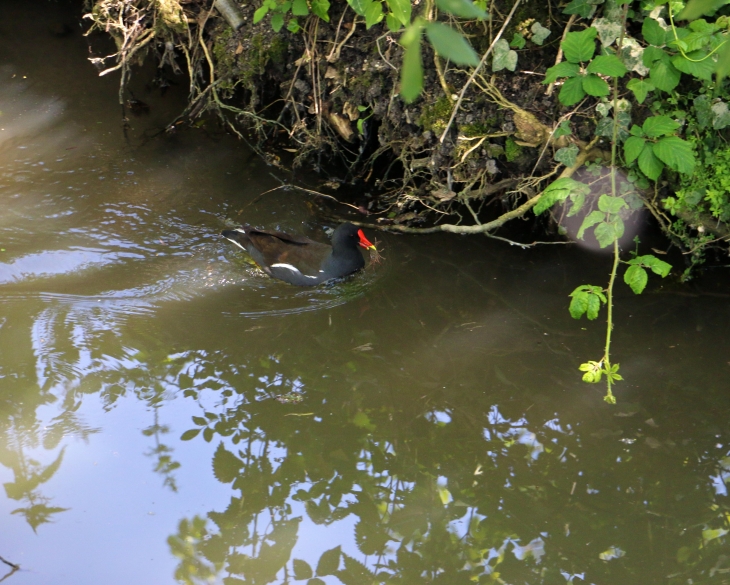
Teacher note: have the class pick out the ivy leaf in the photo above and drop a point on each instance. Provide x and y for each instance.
(676, 153)
(664, 75)
(595, 86)
(580, 46)
(633, 147)
(657, 126)
(641, 88)
(567, 155)
(321, 8)
(562, 130)
(593, 218)
(451, 44)
(462, 8)
(609, 204)
(586, 300)
(562, 69)
(504, 57)
(636, 277)
(401, 9)
(609, 65)
(720, 115)
(411, 79)
(653, 33)
(518, 41)
(539, 33)
(572, 91)
(649, 164)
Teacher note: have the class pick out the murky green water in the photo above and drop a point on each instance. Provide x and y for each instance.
(167, 411)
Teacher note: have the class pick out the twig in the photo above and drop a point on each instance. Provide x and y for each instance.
(559, 57)
(9, 564)
(476, 71)
(310, 191)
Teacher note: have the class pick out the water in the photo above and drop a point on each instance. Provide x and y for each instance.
(167, 411)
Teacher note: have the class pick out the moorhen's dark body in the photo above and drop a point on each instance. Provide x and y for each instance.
(299, 260)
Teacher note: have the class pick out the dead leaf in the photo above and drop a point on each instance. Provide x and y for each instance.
(651, 423)
(351, 111)
(239, 49)
(443, 194)
(653, 443)
(364, 347)
(342, 125)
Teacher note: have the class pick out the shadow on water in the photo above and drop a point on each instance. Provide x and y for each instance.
(168, 413)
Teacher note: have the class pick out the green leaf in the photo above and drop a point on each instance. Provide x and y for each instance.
(572, 91)
(593, 371)
(641, 88)
(633, 147)
(652, 54)
(260, 13)
(563, 129)
(562, 69)
(189, 434)
(558, 191)
(636, 278)
(696, 8)
(321, 8)
(586, 300)
(539, 33)
(609, 204)
(504, 57)
(653, 33)
(293, 26)
(462, 8)
(329, 562)
(373, 14)
(657, 126)
(302, 570)
(411, 79)
(589, 221)
(609, 65)
(676, 153)
(277, 21)
(300, 8)
(401, 9)
(393, 23)
(579, 46)
(567, 155)
(451, 44)
(664, 75)
(723, 61)
(578, 200)
(582, 8)
(653, 263)
(594, 85)
(359, 6)
(517, 42)
(608, 232)
(649, 164)
(696, 64)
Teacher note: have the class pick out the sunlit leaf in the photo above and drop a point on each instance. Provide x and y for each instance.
(451, 44)
(608, 232)
(558, 191)
(593, 218)
(610, 204)
(373, 14)
(300, 8)
(586, 300)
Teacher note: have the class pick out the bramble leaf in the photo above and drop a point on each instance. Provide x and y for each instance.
(609, 65)
(401, 9)
(586, 300)
(649, 164)
(572, 91)
(653, 33)
(595, 86)
(579, 46)
(562, 69)
(664, 75)
(676, 153)
(636, 277)
(657, 126)
(609, 204)
(633, 147)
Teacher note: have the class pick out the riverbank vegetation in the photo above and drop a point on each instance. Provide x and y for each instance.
(461, 117)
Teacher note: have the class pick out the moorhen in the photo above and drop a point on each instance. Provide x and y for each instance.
(299, 260)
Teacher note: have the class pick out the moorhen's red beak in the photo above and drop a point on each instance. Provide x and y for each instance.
(364, 242)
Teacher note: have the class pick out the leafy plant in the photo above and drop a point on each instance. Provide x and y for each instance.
(654, 146)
